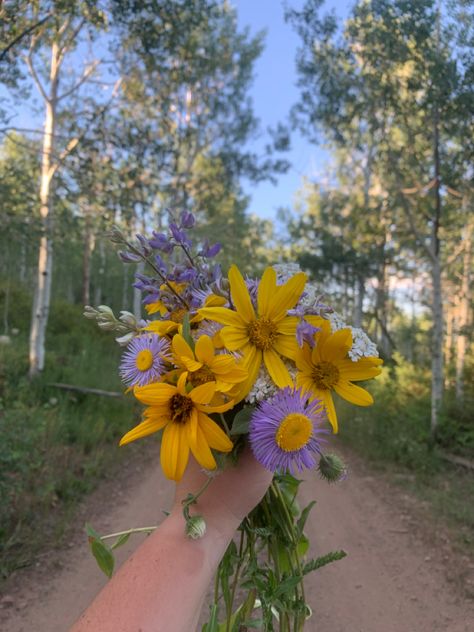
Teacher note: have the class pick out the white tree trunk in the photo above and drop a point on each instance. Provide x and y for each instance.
(464, 300)
(42, 296)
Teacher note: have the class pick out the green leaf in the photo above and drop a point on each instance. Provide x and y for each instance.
(101, 551)
(120, 541)
(187, 331)
(212, 625)
(313, 565)
(240, 424)
(302, 519)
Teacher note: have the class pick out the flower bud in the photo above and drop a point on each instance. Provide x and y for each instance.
(116, 236)
(105, 309)
(332, 468)
(128, 319)
(124, 340)
(195, 527)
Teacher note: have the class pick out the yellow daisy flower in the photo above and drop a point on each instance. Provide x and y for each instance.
(204, 366)
(187, 426)
(326, 367)
(265, 334)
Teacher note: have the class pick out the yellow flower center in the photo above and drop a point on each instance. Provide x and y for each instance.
(202, 376)
(262, 333)
(325, 375)
(180, 408)
(177, 316)
(294, 432)
(144, 360)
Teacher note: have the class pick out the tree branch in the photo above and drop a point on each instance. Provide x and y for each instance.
(23, 34)
(85, 75)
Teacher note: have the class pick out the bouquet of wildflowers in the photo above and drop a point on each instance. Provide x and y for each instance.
(221, 361)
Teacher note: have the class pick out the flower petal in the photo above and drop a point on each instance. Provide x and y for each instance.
(354, 394)
(145, 428)
(154, 393)
(326, 397)
(288, 325)
(240, 295)
(215, 436)
(336, 346)
(287, 296)
(204, 393)
(205, 350)
(174, 453)
(181, 385)
(252, 362)
(286, 346)
(181, 348)
(277, 370)
(222, 315)
(234, 338)
(201, 451)
(266, 292)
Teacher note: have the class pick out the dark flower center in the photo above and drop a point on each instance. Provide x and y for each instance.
(180, 408)
(325, 375)
(202, 376)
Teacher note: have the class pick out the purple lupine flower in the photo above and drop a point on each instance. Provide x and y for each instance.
(209, 251)
(187, 219)
(284, 431)
(162, 242)
(129, 257)
(146, 248)
(144, 360)
(305, 333)
(180, 235)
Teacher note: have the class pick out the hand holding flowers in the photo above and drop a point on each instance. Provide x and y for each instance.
(227, 363)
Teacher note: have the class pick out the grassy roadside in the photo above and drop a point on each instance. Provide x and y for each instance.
(393, 435)
(56, 445)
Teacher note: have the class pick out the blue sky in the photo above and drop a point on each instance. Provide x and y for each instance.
(274, 92)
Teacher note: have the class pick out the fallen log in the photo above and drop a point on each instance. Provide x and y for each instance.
(85, 390)
(457, 460)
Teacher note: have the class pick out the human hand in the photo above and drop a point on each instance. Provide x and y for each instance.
(231, 495)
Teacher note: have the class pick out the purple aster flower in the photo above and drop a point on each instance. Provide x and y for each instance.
(144, 360)
(284, 431)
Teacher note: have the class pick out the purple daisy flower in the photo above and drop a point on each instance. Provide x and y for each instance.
(284, 431)
(144, 360)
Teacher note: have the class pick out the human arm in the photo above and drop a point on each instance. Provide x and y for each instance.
(163, 585)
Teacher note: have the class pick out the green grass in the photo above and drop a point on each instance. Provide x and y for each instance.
(394, 435)
(55, 445)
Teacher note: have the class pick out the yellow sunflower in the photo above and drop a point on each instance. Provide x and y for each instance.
(264, 334)
(327, 367)
(184, 415)
(204, 366)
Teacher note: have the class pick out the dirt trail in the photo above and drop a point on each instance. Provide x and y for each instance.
(393, 579)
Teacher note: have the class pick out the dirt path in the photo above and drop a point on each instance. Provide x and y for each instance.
(393, 580)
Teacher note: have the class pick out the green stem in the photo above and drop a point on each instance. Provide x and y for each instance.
(191, 499)
(129, 532)
(224, 423)
(235, 582)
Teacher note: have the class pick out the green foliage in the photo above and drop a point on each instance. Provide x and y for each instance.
(265, 569)
(55, 445)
